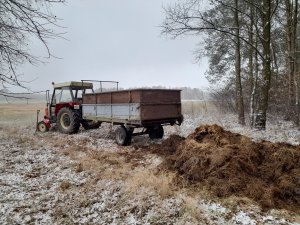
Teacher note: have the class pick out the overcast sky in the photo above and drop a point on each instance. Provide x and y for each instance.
(117, 40)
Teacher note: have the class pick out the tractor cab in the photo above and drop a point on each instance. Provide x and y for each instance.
(67, 94)
(70, 92)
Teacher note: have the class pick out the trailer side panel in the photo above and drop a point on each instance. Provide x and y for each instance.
(136, 107)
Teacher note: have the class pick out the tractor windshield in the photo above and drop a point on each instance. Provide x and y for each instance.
(62, 95)
(77, 94)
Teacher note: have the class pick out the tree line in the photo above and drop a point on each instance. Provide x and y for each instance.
(253, 51)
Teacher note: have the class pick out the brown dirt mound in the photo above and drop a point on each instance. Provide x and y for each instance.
(232, 164)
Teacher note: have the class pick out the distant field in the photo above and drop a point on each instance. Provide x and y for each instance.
(26, 113)
(20, 112)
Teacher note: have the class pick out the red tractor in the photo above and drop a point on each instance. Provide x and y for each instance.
(64, 108)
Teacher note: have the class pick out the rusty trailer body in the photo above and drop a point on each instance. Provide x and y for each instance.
(135, 108)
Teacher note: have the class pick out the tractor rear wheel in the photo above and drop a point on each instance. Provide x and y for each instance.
(42, 127)
(68, 121)
(156, 132)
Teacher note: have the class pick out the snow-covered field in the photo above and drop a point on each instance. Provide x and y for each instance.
(86, 178)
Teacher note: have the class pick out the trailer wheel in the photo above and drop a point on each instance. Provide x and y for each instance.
(90, 124)
(42, 127)
(123, 137)
(68, 121)
(156, 132)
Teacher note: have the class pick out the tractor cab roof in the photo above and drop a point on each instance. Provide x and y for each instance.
(74, 85)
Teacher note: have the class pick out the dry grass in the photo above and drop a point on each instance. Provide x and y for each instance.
(102, 165)
(191, 209)
(64, 185)
(161, 183)
(297, 218)
(197, 108)
(18, 135)
(234, 202)
(122, 166)
(20, 113)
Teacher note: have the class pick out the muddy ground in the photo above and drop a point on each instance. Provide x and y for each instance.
(86, 178)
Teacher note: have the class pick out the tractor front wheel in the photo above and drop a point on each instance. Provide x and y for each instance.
(42, 127)
(68, 121)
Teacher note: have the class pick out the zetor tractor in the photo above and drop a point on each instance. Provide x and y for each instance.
(64, 108)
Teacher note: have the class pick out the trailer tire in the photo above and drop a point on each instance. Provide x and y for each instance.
(156, 132)
(90, 124)
(68, 121)
(42, 127)
(123, 137)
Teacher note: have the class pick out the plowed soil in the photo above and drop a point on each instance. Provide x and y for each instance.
(232, 164)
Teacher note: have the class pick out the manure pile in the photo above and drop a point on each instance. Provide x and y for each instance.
(232, 164)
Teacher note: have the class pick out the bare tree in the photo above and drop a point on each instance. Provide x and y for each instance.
(20, 22)
(266, 13)
(238, 80)
(291, 15)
